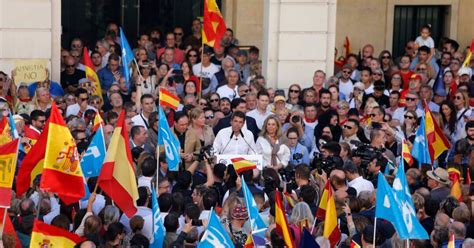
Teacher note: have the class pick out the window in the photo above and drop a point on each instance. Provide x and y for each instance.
(409, 19)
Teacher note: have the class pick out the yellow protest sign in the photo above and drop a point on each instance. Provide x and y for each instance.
(30, 71)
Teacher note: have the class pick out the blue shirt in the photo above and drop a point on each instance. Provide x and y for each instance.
(106, 77)
(433, 65)
(303, 158)
(55, 89)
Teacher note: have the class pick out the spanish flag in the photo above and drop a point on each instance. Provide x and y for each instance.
(117, 176)
(281, 221)
(5, 134)
(455, 177)
(467, 61)
(331, 229)
(8, 157)
(354, 244)
(437, 142)
(32, 164)
(62, 172)
(45, 235)
(241, 165)
(214, 25)
(452, 241)
(8, 227)
(168, 99)
(406, 153)
(97, 121)
(323, 203)
(91, 74)
(249, 242)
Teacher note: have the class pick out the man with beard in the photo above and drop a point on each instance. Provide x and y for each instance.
(238, 104)
(463, 147)
(324, 103)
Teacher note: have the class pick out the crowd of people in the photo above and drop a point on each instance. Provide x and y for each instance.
(344, 128)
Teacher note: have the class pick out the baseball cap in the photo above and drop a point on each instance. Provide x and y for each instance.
(279, 98)
(465, 71)
(415, 76)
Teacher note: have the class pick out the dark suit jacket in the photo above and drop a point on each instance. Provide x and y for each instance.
(251, 125)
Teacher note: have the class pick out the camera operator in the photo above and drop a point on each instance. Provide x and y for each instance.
(349, 131)
(463, 147)
(355, 180)
(299, 153)
(305, 132)
(378, 140)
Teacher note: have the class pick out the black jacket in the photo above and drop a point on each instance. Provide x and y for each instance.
(251, 125)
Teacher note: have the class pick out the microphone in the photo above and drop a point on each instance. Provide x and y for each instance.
(231, 135)
(243, 137)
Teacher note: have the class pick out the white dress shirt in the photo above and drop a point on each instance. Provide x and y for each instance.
(238, 144)
(75, 108)
(360, 184)
(265, 149)
(259, 117)
(147, 215)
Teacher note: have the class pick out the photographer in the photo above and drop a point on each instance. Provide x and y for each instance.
(299, 153)
(305, 132)
(376, 166)
(378, 140)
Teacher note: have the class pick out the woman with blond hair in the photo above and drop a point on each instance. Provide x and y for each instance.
(42, 99)
(199, 127)
(272, 144)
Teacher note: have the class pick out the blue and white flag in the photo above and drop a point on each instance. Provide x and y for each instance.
(215, 235)
(91, 162)
(170, 142)
(127, 58)
(420, 149)
(158, 227)
(14, 132)
(414, 229)
(256, 221)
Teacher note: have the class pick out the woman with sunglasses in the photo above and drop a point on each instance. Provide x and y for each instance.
(427, 71)
(461, 102)
(199, 127)
(386, 64)
(192, 56)
(294, 96)
(214, 100)
(410, 123)
(149, 82)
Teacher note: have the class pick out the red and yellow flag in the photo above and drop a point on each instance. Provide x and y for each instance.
(331, 229)
(168, 99)
(8, 157)
(249, 242)
(437, 142)
(8, 227)
(455, 177)
(62, 172)
(97, 121)
(45, 235)
(117, 176)
(452, 241)
(354, 244)
(241, 165)
(214, 25)
(406, 153)
(281, 222)
(467, 61)
(32, 165)
(91, 74)
(5, 133)
(323, 203)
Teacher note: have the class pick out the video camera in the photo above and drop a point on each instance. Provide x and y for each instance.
(366, 152)
(205, 151)
(326, 163)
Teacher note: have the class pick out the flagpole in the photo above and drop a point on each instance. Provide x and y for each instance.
(39, 203)
(375, 228)
(408, 243)
(3, 223)
(202, 48)
(158, 147)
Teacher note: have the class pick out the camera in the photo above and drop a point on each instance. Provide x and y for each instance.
(295, 119)
(366, 152)
(326, 163)
(297, 156)
(288, 176)
(209, 150)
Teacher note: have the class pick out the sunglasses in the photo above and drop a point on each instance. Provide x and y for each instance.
(214, 100)
(209, 117)
(458, 98)
(1, 79)
(84, 99)
(409, 117)
(178, 34)
(246, 91)
(346, 72)
(409, 47)
(377, 74)
(347, 127)
(409, 99)
(203, 103)
(294, 91)
(386, 57)
(69, 66)
(372, 115)
(421, 69)
(192, 55)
